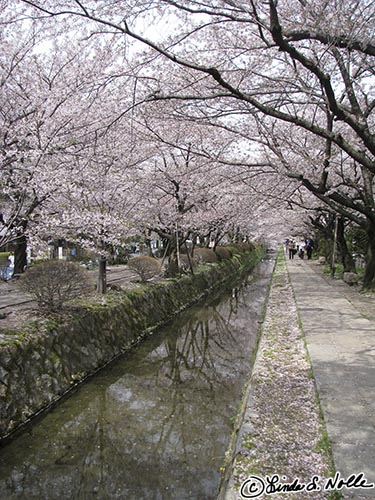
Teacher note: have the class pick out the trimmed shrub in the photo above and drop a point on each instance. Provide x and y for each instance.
(249, 246)
(173, 270)
(145, 267)
(55, 282)
(223, 253)
(244, 246)
(205, 255)
(233, 250)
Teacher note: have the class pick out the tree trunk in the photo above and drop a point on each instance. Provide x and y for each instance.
(370, 262)
(178, 250)
(189, 258)
(148, 244)
(20, 255)
(328, 252)
(102, 275)
(334, 247)
(346, 257)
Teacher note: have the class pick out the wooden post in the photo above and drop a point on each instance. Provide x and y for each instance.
(20, 255)
(165, 253)
(102, 275)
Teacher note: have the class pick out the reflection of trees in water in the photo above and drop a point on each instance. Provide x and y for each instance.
(188, 419)
(205, 345)
(196, 369)
(94, 471)
(192, 350)
(162, 422)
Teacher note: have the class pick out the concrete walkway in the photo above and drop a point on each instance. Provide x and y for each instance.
(341, 345)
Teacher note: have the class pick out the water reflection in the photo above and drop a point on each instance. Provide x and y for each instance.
(155, 424)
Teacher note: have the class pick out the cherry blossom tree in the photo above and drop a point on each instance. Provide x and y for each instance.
(96, 207)
(189, 192)
(62, 160)
(19, 193)
(307, 66)
(40, 134)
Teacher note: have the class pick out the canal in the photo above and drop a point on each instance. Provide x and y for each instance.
(154, 424)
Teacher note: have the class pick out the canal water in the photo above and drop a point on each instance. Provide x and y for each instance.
(154, 424)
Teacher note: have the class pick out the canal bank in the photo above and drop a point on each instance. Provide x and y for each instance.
(45, 360)
(156, 422)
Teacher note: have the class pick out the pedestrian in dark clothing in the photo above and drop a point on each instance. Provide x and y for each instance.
(292, 249)
(309, 248)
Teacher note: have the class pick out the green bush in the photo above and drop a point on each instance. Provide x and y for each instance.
(173, 269)
(205, 255)
(145, 267)
(233, 250)
(55, 282)
(223, 253)
(244, 246)
(3, 258)
(249, 247)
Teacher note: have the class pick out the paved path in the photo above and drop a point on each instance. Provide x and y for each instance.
(341, 344)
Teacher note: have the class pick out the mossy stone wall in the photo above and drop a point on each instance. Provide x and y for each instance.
(38, 370)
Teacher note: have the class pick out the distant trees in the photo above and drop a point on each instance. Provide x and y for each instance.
(186, 193)
(331, 229)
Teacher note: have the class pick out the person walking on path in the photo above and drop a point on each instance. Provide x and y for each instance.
(292, 249)
(286, 246)
(10, 266)
(309, 248)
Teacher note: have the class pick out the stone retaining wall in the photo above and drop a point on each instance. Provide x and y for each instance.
(41, 367)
